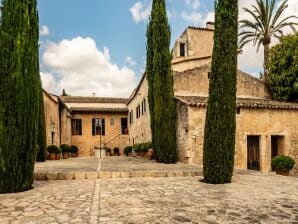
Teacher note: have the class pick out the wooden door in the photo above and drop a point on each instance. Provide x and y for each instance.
(253, 153)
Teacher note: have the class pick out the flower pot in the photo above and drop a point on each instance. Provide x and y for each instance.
(283, 172)
(74, 154)
(65, 155)
(58, 156)
(52, 156)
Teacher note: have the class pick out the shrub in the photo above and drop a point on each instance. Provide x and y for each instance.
(59, 150)
(74, 149)
(136, 147)
(65, 148)
(143, 147)
(52, 149)
(108, 150)
(282, 163)
(117, 151)
(127, 150)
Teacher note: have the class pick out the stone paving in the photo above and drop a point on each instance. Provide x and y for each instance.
(85, 164)
(251, 198)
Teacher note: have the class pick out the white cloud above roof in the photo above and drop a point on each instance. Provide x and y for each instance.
(80, 68)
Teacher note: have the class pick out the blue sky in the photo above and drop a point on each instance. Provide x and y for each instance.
(99, 45)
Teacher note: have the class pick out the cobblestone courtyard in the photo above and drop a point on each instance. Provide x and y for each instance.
(251, 198)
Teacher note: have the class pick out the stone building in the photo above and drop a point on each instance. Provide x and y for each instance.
(265, 128)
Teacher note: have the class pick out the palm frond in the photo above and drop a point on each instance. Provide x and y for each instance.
(278, 13)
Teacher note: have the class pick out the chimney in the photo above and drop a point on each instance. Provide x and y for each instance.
(210, 25)
(93, 94)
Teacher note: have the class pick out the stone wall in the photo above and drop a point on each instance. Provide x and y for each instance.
(120, 141)
(65, 126)
(258, 122)
(139, 129)
(52, 125)
(86, 140)
(195, 82)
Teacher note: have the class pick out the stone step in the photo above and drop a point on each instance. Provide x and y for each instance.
(109, 175)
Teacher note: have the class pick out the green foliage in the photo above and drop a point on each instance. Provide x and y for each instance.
(127, 150)
(143, 147)
(283, 67)
(64, 93)
(108, 150)
(41, 138)
(65, 148)
(282, 163)
(265, 23)
(160, 79)
(74, 149)
(52, 149)
(220, 125)
(20, 88)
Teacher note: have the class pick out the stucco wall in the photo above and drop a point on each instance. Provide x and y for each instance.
(86, 140)
(51, 108)
(139, 130)
(261, 122)
(65, 126)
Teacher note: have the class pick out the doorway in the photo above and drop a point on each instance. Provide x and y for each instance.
(277, 146)
(124, 128)
(253, 152)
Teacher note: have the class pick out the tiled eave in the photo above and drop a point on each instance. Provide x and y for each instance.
(99, 110)
(201, 101)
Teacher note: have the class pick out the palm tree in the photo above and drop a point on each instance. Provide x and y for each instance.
(266, 23)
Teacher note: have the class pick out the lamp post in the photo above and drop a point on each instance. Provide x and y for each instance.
(53, 132)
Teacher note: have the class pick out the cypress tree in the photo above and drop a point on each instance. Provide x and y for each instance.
(20, 89)
(42, 144)
(149, 74)
(219, 139)
(160, 79)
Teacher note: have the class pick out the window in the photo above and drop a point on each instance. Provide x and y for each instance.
(98, 126)
(76, 127)
(131, 117)
(138, 111)
(182, 49)
(112, 121)
(144, 105)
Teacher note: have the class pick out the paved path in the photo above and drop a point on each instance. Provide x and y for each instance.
(251, 198)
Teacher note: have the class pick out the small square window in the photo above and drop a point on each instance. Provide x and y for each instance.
(112, 121)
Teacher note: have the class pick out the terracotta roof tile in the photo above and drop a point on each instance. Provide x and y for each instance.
(83, 99)
(201, 101)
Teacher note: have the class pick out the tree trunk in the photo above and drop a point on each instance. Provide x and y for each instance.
(266, 61)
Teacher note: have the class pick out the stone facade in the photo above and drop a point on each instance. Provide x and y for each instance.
(265, 119)
(52, 120)
(139, 126)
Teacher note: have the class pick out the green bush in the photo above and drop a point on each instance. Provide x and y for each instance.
(127, 150)
(108, 150)
(136, 147)
(74, 149)
(59, 150)
(282, 163)
(52, 149)
(65, 148)
(144, 147)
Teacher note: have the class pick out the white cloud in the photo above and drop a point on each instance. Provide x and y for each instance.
(210, 17)
(44, 30)
(140, 12)
(195, 4)
(194, 17)
(81, 69)
(130, 61)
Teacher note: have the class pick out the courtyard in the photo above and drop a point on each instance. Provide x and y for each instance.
(253, 197)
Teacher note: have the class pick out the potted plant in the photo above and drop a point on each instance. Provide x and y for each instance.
(136, 149)
(149, 152)
(65, 150)
(52, 149)
(116, 151)
(143, 149)
(282, 165)
(58, 153)
(127, 150)
(74, 150)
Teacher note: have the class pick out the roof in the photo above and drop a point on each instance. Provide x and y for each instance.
(99, 109)
(201, 101)
(83, 99)
(136, 89)
(52, 97)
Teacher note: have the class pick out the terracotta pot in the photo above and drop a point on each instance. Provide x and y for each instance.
(52, 156)
(283, 172)
(65, 155)
(74, 154)
(148, 155)
(58, 156)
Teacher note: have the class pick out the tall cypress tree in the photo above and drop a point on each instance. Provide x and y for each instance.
(160, 79)
(149, 74)
(20, 89)
(41, 138)
(219, 142)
